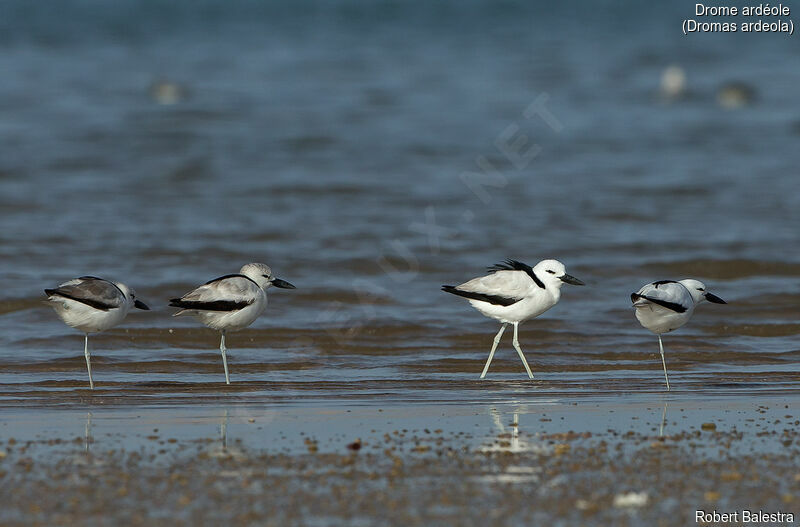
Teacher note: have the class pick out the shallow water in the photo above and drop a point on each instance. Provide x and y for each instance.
(530, 423)
(331, 141)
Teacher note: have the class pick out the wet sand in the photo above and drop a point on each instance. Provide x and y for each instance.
(649, 460)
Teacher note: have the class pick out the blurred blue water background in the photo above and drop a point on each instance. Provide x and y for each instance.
(163, 143)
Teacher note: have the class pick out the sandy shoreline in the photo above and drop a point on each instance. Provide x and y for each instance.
(653, 460)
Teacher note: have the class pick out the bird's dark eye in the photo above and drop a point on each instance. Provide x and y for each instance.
(551, 271)
(700, 289)
(265, 275)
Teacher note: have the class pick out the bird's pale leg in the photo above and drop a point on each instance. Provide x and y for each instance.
(88, 360)
(519, 350)
(664, 362)
(222, 350)
(494, 347)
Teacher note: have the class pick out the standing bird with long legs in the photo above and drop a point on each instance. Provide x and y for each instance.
(91, 305)
(666, 305)
(230, 302)
(512, 293)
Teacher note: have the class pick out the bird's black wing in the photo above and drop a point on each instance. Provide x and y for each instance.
(516, 265)
(497, 300)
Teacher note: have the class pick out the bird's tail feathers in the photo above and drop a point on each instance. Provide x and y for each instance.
(638, 300)
(177, 302)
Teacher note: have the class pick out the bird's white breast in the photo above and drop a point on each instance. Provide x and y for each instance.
(86, 318)
(660, 319)
(534, 304)
(235, 320)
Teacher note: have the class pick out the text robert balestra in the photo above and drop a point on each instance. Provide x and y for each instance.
(743, 516)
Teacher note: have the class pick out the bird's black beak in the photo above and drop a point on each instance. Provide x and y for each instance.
(569, 279)
(714, 299)
(140, 305)
(283, 284)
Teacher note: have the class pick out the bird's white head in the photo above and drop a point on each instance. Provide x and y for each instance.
(130, 297)
(698, 291)
(553, 273)
(262, 275)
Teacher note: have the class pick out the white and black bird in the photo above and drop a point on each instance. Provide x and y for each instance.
(666, 305)
(92, 304)
(512, 293)
(230, 302)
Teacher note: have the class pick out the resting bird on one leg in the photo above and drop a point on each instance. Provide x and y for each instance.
(230, 302)
(666, 305)
(91, 305)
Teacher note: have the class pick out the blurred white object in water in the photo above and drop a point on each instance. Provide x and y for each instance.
(166, 92)
(631, 499)
(735, 95)
(673, 82)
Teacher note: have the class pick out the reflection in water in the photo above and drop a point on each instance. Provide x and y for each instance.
(514, 433)
(509, 435)
(663, 420)
(221, 449)
(508, 440)
(88, 432)
(223, 431)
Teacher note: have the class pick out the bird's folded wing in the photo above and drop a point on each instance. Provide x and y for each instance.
(92, 291)
(227, 294)
(509, 284)
(516, 265)
(490, 299)
(670, 295)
